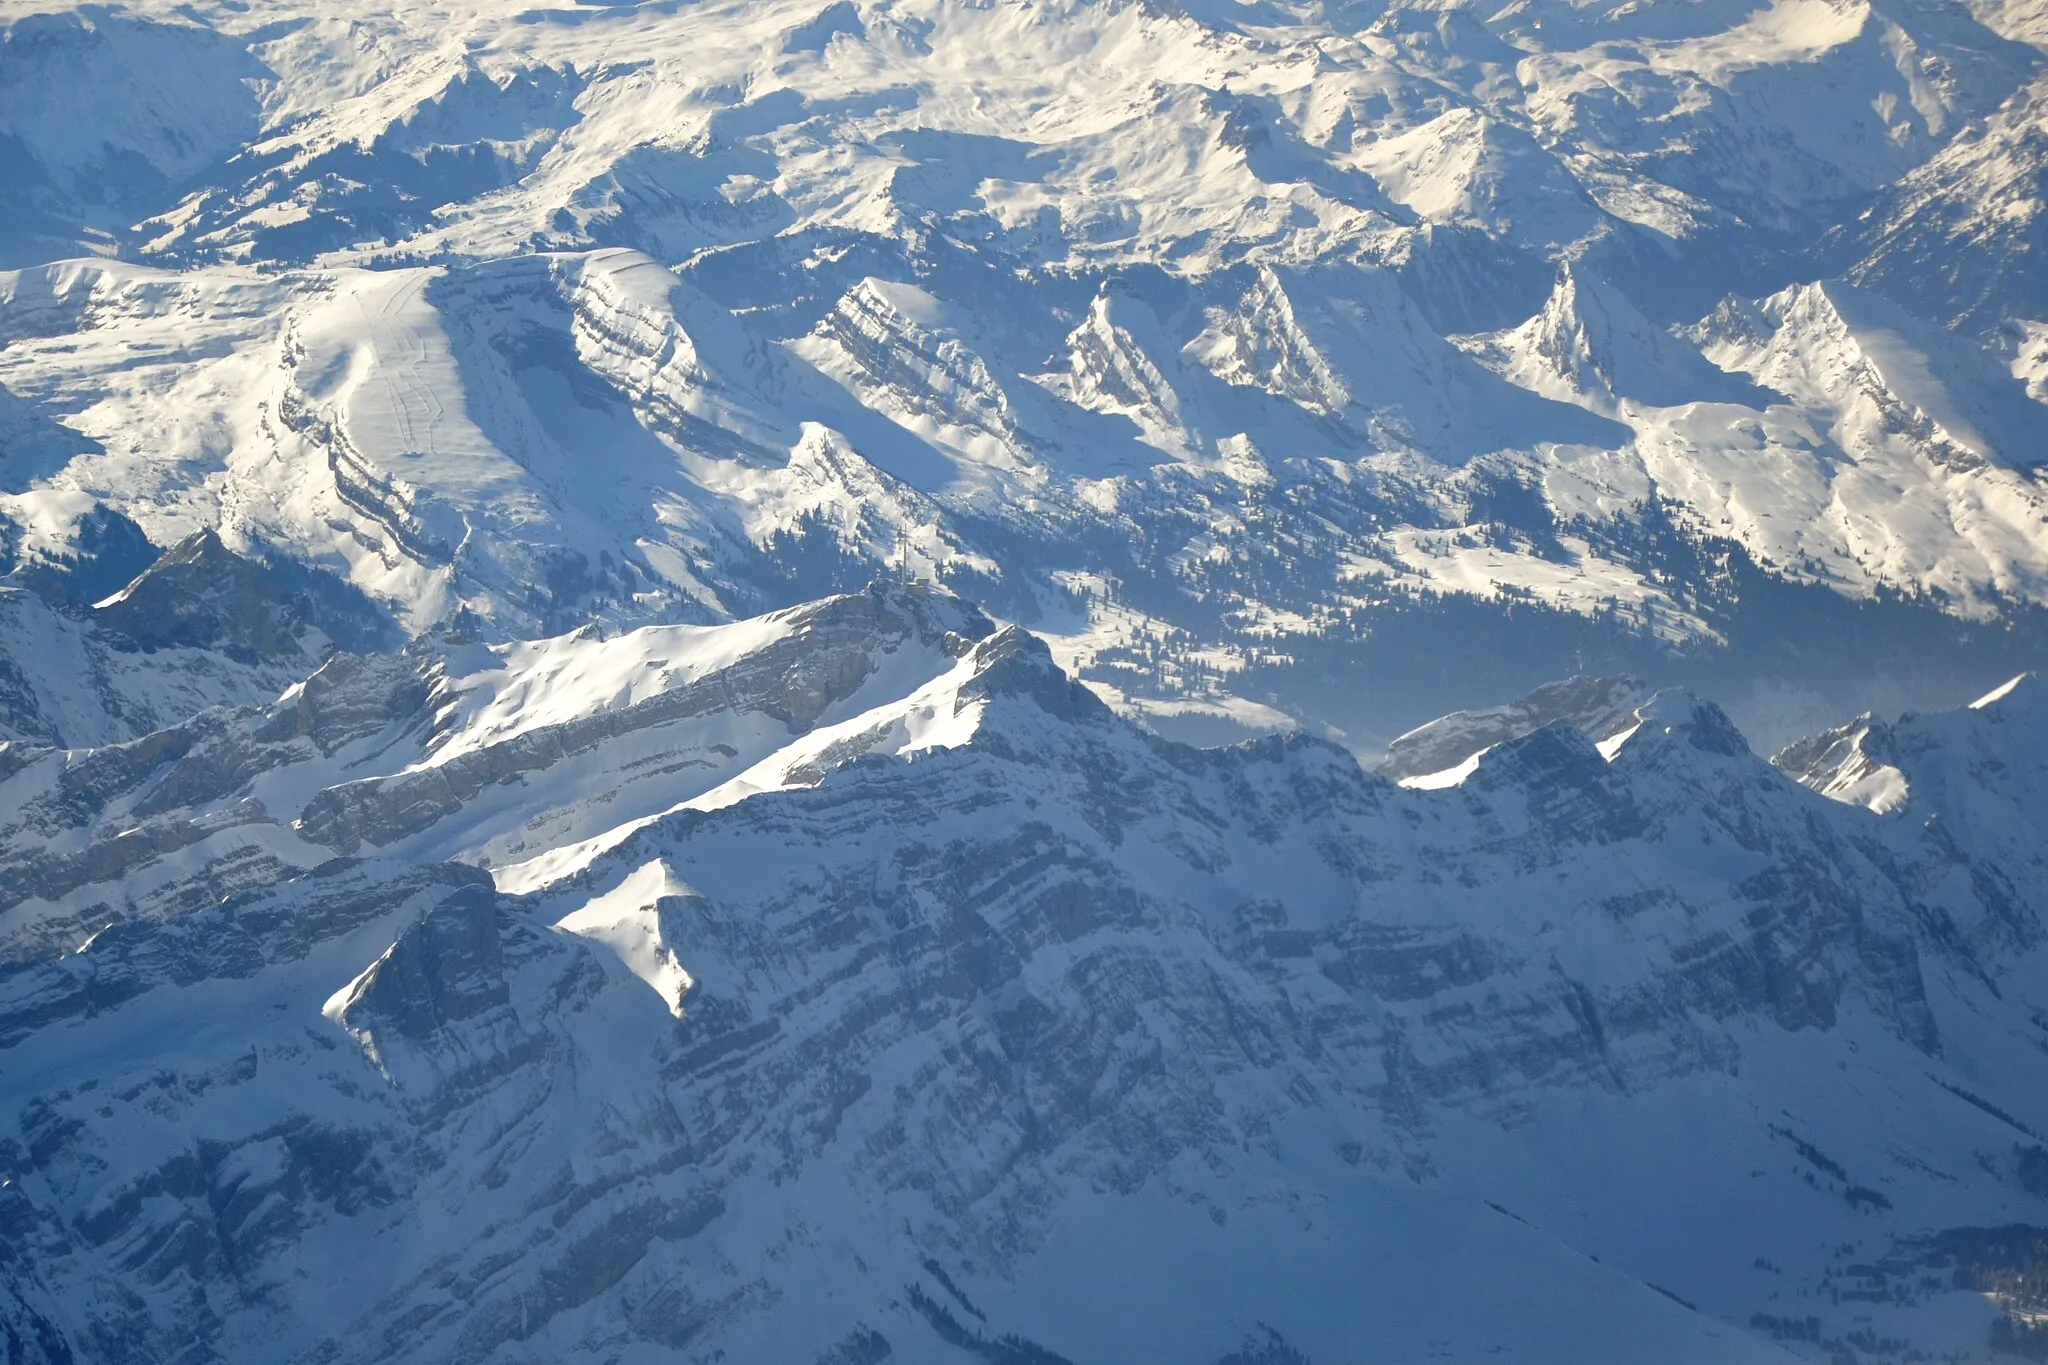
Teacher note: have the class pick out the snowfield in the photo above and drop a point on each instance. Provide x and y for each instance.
(605, 609)
(520, 318)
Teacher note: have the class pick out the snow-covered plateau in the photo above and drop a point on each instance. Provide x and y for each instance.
(606, 609)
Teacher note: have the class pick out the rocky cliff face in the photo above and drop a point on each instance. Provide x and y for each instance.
(951, 1016)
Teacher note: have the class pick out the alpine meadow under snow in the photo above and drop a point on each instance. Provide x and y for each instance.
(607, 609)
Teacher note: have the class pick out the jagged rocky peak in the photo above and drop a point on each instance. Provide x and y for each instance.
(1015, 663)
(1256, 338)
(1555, 757)
(1883, 371)
(1872, 763)
(445, 967)
(1850, 763)
(1670, 750)
(1960, 779)
(922, 610)
(200, 594)
(107, 639)
(834, 645)
(1590, 343)
(914, 355)
(1120, 361)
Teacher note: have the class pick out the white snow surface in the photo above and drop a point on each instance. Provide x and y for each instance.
(505, 329)
(676, 951)
(501, 755)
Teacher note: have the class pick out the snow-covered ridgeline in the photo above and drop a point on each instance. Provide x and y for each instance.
(947, 973)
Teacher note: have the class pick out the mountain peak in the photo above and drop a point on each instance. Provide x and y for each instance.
(740, 913)
(1700, 724)
(2024, 694)
(200, 594)
(1885, 369)
(618, 949)
(1854, 763)
(1598, 706)
(1590, 343)
(1015, 663)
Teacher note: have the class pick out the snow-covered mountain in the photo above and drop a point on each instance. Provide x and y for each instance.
(1448, 749)
(1213, 340)
(504, 756)
(598, 604)
(850, 983)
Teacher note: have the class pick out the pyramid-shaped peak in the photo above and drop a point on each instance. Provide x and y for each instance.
(1968, 406)
(1591, 339)
(1681, 713)
(1118, 305)
(1016, 664)
(202, 546)
(1582, 301)
(1120, 360)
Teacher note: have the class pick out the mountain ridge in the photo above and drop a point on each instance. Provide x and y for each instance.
(601, 608)
(740, 972)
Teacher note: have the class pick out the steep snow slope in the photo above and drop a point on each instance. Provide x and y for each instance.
(1911, 410)
(1016, 1030)
(493, 754)
(1959, 238)
(1968, 775)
